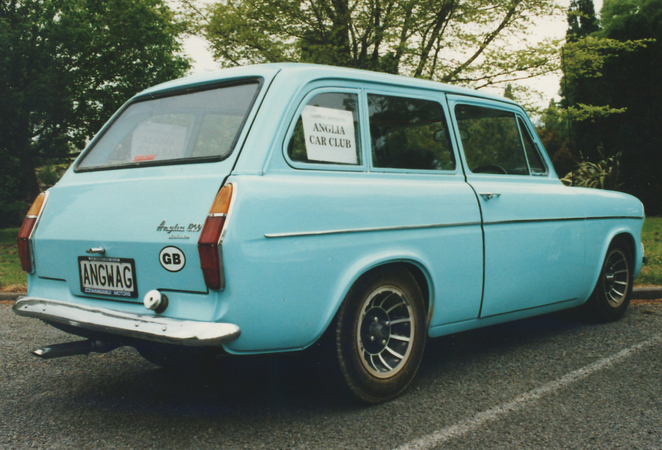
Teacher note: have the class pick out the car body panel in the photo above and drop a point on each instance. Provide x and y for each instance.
(299, 235)
(313, 236)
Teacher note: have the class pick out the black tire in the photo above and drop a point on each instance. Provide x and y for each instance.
(380, 334)
(612, 293)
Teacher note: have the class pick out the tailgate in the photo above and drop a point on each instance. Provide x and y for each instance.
(146, 222)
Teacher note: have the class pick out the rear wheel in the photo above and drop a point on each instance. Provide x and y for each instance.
(380, 335)
(611, 296)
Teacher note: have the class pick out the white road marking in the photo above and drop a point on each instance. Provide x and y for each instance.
(492, 414)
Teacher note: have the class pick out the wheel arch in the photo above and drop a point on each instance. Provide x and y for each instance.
(360, 271)
(420, 274)
(623, 235)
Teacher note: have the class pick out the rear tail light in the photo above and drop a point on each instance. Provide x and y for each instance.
(29, 224)
(209, 244)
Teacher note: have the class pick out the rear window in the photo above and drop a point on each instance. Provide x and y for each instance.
(189, 127)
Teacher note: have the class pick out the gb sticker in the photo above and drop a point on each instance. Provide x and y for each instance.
(172, 259)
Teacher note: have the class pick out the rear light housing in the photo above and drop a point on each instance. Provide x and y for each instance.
(25, 252)
(209, 244)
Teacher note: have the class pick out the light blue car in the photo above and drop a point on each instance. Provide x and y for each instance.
(260, 209)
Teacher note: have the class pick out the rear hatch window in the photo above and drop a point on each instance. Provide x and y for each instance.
(172, 129)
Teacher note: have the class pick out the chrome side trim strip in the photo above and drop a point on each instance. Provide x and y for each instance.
(368, 230)
(560, 219)
(445, 225)
(139, 326)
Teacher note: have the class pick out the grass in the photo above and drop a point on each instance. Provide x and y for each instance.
(13, 278)
(651, 236)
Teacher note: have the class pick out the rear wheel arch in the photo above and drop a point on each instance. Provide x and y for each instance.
(420, 274)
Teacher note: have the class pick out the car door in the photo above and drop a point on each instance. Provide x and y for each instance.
(532, 226)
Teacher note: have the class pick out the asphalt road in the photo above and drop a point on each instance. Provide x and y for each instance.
(549, 382)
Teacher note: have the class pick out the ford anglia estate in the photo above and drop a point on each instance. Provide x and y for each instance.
(258, 209)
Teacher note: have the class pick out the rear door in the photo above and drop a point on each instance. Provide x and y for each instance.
(533, 226)
(127, 218)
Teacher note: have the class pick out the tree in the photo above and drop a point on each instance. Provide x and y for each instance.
(65, 67)
(581, 20)
(444, 40)
(612, 98)
(633, 83)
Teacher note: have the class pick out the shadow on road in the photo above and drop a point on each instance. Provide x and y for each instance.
(300, 381)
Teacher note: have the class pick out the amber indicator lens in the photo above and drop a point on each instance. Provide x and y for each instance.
(23, 238)
(221, 203)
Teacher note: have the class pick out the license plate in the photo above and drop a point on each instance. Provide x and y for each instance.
(114, 277)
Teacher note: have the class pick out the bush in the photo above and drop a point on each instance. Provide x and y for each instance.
(12, 213)
(605, 174)
(48, 176)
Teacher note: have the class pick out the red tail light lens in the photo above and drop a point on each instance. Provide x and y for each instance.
(209, 244)
(23, 239)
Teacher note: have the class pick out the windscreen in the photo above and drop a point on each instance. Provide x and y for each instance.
(189, 127)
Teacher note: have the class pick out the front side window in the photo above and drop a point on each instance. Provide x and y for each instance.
(491, 140)
(535, 161)
(408, 133)
(196, 126)
(327, 131)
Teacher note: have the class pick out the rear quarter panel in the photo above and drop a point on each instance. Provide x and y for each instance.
(283, 288)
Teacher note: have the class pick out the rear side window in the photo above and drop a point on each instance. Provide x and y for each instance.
(327, 131)
(196, 126)
(408, 133)
(491, 140)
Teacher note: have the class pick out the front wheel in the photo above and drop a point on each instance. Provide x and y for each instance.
(612, 293)
(380, 335)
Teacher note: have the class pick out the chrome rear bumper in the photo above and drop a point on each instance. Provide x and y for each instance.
(139, 326)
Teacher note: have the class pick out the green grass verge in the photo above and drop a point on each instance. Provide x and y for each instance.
(651, 274)
(11, 273)
(651, 236)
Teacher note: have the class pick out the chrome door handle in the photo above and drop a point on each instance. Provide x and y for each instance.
(489, 195)
(99, 250)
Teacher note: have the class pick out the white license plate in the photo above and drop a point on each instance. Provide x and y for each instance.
(115, 277)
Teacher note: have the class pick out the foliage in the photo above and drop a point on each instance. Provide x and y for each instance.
(65, 66)
(444, 40)
(585, 58)
(10, 265)
(612, 97)
(12, 209)
(48, 176)
(601, 175)
(581, 20)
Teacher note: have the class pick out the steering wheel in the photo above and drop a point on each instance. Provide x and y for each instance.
(490, 168)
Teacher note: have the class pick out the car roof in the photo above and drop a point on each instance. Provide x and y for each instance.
(309, 73)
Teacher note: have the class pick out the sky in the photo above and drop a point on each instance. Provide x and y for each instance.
(555, 27)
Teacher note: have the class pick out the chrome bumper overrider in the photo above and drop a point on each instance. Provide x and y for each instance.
(140, 326)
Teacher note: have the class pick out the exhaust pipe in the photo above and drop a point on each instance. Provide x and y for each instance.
(75, 348)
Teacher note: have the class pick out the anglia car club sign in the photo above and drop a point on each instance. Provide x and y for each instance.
(329, 135)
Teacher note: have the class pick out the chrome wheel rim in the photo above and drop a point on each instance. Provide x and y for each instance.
(616, 278)
(385, 332)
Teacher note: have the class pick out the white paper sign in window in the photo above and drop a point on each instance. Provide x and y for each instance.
(329, 135)
(157, 141)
